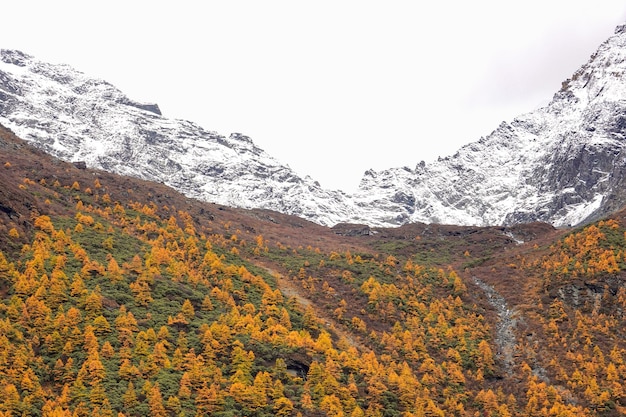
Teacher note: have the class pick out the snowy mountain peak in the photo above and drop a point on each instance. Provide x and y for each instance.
(14, 57)
(563, 163)
(75, 117)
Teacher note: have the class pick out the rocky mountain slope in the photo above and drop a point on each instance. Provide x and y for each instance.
(561, 164)
(78, 118)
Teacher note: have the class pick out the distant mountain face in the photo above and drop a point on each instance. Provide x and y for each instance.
(77, 118)
(563, 164)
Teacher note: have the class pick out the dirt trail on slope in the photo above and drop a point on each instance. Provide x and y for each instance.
(289, 289)
(505, 328)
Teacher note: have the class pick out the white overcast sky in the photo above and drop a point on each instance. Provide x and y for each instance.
(331, 88)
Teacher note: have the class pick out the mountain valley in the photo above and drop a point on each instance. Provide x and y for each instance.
(122, 296)
(149, 266)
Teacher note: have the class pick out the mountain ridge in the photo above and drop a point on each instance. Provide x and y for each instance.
(561, 163)
(530, 168)
(77, 118)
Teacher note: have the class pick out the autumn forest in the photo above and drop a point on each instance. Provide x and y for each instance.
(123, 298)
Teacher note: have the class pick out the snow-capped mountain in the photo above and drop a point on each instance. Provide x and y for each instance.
(78, 118)
(564, 163)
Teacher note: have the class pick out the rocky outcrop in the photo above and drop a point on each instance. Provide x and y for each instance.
(349, 229)
(598, 295)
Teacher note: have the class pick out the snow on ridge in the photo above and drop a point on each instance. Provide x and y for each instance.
(557, 163)
(75, 117)
(516, 173)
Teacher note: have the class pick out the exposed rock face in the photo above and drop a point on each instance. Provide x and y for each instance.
(348, 229)
(563, 164)
(596, 295)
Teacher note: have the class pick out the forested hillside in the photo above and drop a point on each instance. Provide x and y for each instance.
(121, 297)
